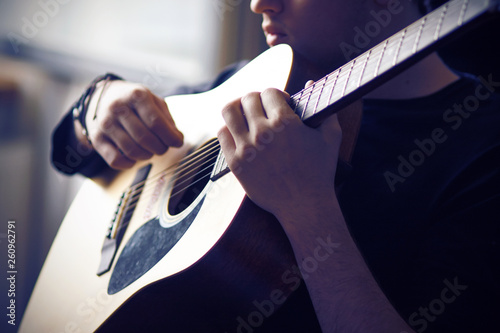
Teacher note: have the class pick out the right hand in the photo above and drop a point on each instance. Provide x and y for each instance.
(131, 124)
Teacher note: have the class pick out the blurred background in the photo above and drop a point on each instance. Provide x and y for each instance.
(49, 51)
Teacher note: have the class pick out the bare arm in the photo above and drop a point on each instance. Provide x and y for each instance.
(288, 169)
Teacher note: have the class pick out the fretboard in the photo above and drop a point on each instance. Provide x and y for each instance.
(350, 82)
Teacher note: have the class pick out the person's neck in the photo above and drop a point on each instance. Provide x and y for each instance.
(302, 72)
(422, 79)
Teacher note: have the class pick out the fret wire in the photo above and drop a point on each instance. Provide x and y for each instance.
(380, 59)
(411, 39)
(326, 93)
(307, 102)
(341, 79)
(364, 67)
(298, 98)
(326, 85)
(333, 86)
(297, 102)
(298, 95)
(312, 89)
(348, 76)
(309, 90)
(344, 72)
(450, 21)
(419, 34)
(319, 97)
(408, 43)
(318, 85)
(337, 89)
(305, 95)
(462, 12)
(395, 59)
(316, 88)
(441, 19)
(372, 64)
(357, 64)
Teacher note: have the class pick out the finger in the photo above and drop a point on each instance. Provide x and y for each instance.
(173, 136)
(228, 147)
(251, 105)
(226, 141)
(232, 114)
(276, 104)
(140, 134)
(128, 146)
(308, 84)
(115, 133)
(254, 112)
(151, 115)
(112, 155)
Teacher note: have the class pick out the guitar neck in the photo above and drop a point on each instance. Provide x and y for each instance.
(377, 65)
(369, 70)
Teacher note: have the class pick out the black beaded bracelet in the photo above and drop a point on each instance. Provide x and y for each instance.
(80, 108)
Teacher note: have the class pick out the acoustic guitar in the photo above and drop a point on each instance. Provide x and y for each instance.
(173, 244)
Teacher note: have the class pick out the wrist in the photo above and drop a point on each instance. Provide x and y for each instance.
(81, 107)
(309, 208)
(81, 138)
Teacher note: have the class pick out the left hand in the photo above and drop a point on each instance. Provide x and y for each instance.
(284, 166)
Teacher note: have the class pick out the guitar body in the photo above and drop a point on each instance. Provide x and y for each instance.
(223, 254)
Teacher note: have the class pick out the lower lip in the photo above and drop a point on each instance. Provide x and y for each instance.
(275, 39)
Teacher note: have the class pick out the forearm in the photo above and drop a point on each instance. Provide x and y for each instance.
(292, 176)
(345, 295)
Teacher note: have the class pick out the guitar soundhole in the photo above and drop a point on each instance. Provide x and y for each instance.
(193, 175)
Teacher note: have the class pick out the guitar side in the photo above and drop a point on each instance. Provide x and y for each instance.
(70, 297)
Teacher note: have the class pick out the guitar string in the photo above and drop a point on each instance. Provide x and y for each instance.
(324, 85)
(134, 204)
(319, 85)
(212, 146)
(188, 169)
(184, 165)
(306, 93)
(181, 190)
(180, 166)
(192, 161)
(340, 75)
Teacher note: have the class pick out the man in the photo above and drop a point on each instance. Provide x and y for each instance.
(416, 219)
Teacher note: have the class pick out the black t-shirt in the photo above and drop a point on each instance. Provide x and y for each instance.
(422, 202)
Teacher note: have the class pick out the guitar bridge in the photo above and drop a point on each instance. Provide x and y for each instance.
(119, 223)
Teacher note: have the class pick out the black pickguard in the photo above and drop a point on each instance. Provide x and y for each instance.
(148, 245)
